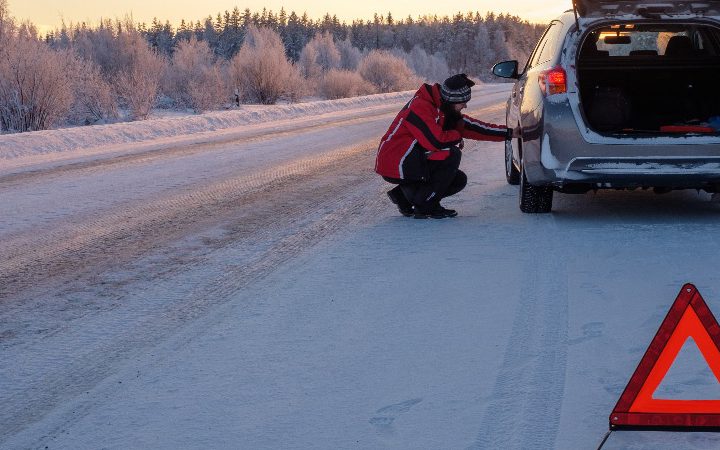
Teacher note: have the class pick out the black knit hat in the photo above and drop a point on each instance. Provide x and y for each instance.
(456, 89)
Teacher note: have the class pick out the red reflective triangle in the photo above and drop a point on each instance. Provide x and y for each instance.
(688, 317)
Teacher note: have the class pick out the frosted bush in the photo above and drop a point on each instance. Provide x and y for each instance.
(193, 78)
(94, 98)
(388, 73)
(261, 71)
(138, 84)
(35, 90)
(338, 83)
(208, 90)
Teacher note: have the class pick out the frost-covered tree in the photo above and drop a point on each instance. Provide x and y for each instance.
(138, 82)
(328, 56)
(387, 72)
(431, 68)
(35, 90)
(161, 37)
(483, 54)
(261, 71)
(349, 55)
(193, 78)
(100, 45)
(94, 99)
(319, 56)
(209, 89)
(7, 24)
(308, 65)
(294, 37)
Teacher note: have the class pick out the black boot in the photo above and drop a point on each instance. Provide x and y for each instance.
(434, 212)
(404, 206)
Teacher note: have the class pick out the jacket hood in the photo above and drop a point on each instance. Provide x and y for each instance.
(430, 93)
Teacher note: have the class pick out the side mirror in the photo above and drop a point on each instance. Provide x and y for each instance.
(506, 69)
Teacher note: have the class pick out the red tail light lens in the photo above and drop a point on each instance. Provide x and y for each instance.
(553, 81)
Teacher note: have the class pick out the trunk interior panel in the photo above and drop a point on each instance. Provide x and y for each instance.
(651, 79)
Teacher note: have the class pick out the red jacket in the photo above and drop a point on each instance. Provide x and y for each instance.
(421, 122)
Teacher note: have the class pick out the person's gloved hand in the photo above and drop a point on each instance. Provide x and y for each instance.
(461, 145)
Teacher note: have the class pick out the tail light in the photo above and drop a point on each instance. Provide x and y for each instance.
(553, 81)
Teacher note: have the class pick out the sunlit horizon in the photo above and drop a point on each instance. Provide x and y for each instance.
(48, 15)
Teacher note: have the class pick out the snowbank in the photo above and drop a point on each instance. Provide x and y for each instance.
(15, 146)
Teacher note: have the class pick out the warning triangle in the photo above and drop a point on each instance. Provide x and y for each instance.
(689, 377)
(689, 317)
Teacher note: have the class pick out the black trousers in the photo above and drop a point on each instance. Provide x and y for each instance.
(444, 179)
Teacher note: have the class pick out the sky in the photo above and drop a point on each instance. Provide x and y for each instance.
(48, 14)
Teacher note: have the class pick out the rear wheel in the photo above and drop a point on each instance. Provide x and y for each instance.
(512, 175)
(534, 199)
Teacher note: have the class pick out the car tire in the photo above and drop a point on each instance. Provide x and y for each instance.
(534, 199)
(512, 175)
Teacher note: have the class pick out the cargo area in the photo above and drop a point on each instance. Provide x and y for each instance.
(651, 79)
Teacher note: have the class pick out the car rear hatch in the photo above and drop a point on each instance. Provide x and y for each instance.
(649, 78)
(609, 8)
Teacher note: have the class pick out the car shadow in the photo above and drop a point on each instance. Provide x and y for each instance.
(687, 206)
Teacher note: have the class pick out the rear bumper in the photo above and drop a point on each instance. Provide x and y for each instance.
(700, 173)
(567, 154)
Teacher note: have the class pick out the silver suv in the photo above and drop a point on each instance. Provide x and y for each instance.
(617, 94)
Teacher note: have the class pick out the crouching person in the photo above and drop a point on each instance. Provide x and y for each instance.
(421, 151)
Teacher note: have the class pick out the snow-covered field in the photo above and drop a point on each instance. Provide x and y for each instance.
(252, 287)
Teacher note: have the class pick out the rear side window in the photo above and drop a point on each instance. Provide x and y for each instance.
(546, 48)
(551, 43)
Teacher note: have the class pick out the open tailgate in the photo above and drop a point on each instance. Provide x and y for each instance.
(605, 8)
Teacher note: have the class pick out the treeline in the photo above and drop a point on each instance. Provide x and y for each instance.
(469, 42)
(120, 70)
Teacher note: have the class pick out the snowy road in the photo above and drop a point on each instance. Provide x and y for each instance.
(260, 292)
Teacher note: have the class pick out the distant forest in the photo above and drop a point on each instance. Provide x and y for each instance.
(469, 43)
(116, 70)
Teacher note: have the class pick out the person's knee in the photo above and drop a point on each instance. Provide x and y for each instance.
(458, 184)
(460, 180)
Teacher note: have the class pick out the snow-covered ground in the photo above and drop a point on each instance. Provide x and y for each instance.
(255, 289)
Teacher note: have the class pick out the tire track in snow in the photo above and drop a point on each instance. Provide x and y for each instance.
(288, 209)
(147, 327)
(536, 353)
(36, 254)
(301, 210)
